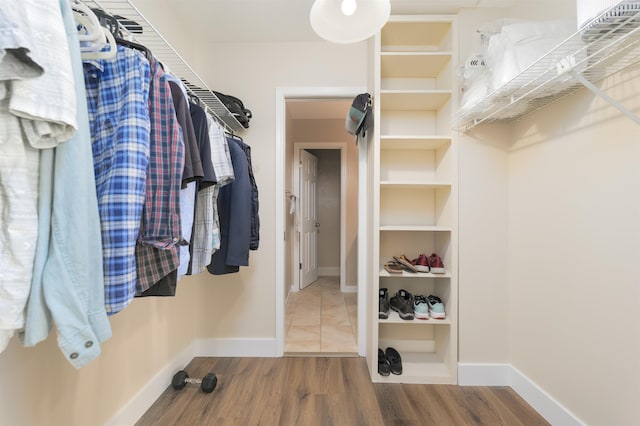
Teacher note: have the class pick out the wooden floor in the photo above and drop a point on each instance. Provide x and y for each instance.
(328, 391)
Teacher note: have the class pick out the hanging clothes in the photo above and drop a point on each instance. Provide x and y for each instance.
(117, 101)
(157, 246)
(234, 208)
(221, 160)
(203, 222)
(254, 239)
(37, 111)
(192, 172)
(68, 281)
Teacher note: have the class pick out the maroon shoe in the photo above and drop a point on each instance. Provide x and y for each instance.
(421, 263)
(436, 265)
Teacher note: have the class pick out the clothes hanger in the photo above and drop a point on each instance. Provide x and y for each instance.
(89, 21)
(113, 25)
(94, 37)
(103, 54)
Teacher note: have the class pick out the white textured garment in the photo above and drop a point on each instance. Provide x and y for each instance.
(18, 216)
(37, 102)
(46, 104)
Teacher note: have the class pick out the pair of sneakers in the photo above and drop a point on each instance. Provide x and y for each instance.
(425, 307)
(432, 263)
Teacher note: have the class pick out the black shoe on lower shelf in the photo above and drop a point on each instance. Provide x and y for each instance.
(383, 304)
(384, 369)
(395, 361)
(402, 303)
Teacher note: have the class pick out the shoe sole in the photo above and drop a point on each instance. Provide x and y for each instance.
(438, 316)
(421, 316)
(383, 315)
(421, 268)
(438, 270)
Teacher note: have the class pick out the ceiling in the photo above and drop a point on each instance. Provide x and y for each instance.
(251, 21)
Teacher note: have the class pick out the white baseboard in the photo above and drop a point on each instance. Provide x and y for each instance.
(131, 412)
(542, 402)
(507, 375)
(235, 347)
(328, 271)
(484, 374)
(350, 289)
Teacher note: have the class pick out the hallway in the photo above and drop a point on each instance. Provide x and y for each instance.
(321, 320)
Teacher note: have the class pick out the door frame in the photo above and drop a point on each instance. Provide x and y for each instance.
(282, 94)
(297, 146)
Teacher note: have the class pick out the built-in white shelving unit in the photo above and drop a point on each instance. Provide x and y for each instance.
(604, 46)
(415, 191)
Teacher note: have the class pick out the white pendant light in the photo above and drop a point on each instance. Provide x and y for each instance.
(349, 21)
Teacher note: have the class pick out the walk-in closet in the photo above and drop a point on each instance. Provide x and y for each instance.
(312, 212)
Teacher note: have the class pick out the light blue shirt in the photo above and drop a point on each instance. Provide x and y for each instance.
(68, 281)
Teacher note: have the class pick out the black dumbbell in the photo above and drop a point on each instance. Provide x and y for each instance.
(207, 383)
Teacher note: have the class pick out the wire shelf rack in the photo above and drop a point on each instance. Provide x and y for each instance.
(607, 44)
(138, 29)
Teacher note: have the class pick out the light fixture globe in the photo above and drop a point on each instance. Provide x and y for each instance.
(330, 22)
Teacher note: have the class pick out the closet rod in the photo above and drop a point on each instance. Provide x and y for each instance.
(138, 28)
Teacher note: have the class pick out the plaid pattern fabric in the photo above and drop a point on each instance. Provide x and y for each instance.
(156, 250)
(203, 225)
(221, 159)
(117, 103)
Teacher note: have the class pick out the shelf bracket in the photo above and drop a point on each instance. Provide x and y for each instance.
(586, 83)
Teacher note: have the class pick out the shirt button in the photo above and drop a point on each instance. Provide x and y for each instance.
(88, 344)
(74, 355)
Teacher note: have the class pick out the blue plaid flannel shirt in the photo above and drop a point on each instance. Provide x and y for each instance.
(117, 101)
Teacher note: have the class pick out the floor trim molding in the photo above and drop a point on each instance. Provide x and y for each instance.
(470, 374)
(236, 347)
(133, 410)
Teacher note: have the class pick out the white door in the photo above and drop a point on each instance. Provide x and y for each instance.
(309, 225)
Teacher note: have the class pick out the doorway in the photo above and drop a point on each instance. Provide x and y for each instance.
(288, 266)
(321, 311)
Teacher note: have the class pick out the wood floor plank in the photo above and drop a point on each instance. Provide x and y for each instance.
(327, 391)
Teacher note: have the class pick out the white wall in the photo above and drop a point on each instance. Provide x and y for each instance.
(573, 253)
(242, 305)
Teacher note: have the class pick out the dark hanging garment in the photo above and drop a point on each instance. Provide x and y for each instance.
(192, 163)
(234, 211)
(255, 218)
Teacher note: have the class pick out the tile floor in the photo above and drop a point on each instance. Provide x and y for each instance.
(321, 320)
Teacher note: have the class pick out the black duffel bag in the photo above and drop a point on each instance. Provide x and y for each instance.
(236, 108)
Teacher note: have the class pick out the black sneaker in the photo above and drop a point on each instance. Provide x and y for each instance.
(383, 304)
(394, 360)
(402, 303)
(384, 368)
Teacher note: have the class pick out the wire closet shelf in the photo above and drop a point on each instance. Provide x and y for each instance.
(604, 46)
(138, 29)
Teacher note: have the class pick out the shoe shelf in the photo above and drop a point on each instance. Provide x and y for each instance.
(415, 188)
(413, 185)
(415, 228)
(394, 318)
(405, 274)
